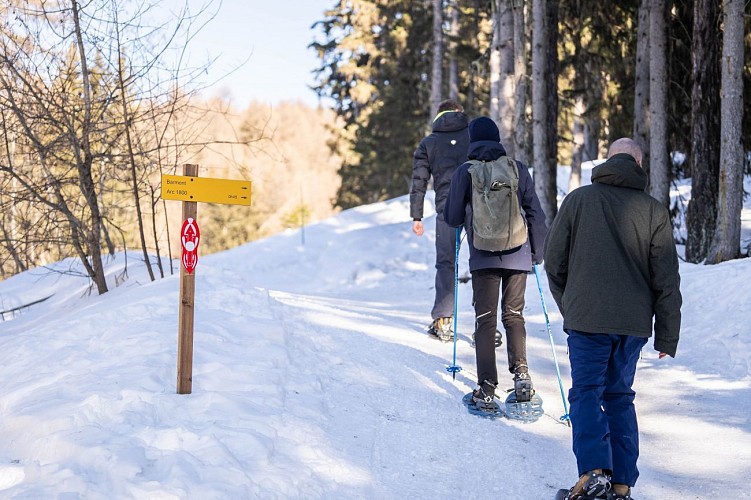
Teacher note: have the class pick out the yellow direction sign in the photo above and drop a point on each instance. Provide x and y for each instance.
(205, 189)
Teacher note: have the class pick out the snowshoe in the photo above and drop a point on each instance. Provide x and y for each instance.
(490, 410)
(591, 485)
(563, 495)
(525, 411)
(614, 495)
(482, 401)
(441, 329)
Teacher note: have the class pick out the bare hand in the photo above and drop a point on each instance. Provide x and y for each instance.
(417, 227)
(662, 355)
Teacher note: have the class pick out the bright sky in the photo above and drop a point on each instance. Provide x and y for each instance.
(273, 35)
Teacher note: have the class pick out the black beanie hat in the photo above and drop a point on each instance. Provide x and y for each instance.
(483, 129)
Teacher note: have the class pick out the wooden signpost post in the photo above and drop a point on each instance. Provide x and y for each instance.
(191, 189)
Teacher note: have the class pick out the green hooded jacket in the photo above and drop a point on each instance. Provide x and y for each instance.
(611, 260)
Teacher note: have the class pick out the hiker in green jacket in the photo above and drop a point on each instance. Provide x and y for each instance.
(612, 268)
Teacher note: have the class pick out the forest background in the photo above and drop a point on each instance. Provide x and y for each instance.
(97, 102)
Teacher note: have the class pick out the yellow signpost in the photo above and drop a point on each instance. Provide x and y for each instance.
(205, 189)
(190, 189)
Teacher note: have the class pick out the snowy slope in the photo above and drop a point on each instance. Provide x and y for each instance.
(314, 378)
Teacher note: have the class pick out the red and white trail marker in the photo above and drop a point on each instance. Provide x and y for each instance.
(190, 236)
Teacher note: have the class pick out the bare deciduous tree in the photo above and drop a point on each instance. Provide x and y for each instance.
(86, 114)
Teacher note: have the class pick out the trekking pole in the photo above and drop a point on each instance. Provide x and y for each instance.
(454, 368)
(566, 418)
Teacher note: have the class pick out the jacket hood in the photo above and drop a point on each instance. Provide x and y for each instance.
(486, 150)
(450, 121)
(621, 170)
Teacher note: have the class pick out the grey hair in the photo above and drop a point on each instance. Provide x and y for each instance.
(627, 146)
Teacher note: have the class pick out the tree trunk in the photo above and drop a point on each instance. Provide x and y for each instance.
(550, 205)
(641, 84)
(577, 134)
(577, 121)
(11, 234)
(84, 161)
(521, 124)
(471, 92)
(131, 154)
(154, 201)
(502, 72)
(436, 82)
(506, 97)
(494, 66)
(659, 183)
(453, 66)
(542, 110)
(539, 92)
(701, 215)
(594, 95)
(727, 237)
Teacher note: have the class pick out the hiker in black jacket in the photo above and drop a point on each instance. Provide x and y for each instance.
(497, 272)
(612, 268)
(438, 155)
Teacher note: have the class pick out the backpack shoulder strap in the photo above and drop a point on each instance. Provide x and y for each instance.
(513, 166)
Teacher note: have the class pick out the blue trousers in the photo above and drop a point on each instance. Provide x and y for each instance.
(445, 260)
(603, 417)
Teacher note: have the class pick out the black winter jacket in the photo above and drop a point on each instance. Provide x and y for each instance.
(458, 211)
(611, 260)
(438, 155)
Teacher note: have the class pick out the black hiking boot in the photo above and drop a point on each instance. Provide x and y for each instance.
(523, 389)
(482, 397)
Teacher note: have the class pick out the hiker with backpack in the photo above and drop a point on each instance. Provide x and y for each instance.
(437, 156)
(493, 196)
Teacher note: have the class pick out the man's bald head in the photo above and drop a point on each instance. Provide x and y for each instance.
(627, 146)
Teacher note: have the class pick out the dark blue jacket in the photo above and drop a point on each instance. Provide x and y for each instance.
(438, 155)
(458, 211)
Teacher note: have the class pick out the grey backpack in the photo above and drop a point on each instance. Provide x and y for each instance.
(497, 220)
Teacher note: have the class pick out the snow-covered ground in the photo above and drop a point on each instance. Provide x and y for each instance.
(314, 378)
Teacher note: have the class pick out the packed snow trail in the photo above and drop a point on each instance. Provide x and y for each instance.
(313, 377)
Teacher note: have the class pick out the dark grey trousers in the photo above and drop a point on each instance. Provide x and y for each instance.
(445, 256)
(487, 284)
